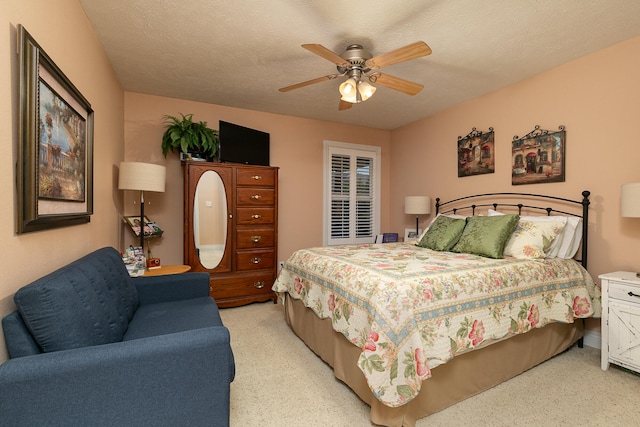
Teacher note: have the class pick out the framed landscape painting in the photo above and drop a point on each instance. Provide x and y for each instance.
(55, 156)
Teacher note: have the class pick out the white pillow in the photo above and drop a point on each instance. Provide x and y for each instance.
(572, 236)
(567, 243)
(533, 239)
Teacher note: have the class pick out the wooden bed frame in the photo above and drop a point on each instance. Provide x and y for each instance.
(459, 378)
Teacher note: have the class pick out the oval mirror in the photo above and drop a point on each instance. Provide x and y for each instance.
(210, 219)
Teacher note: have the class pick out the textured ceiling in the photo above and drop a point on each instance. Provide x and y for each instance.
(239, 52)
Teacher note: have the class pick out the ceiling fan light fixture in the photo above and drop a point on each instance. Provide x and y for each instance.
(366, 90)
(356, 91)
(351, 98)
(348, 88)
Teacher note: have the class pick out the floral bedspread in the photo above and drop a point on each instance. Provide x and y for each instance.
(411, 309)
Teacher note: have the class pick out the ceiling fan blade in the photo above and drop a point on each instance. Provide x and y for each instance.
(320, 50)
(308, 82)
(412, 51)
(396, 83)
(344, 105)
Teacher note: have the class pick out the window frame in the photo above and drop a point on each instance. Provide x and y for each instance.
(354, 150)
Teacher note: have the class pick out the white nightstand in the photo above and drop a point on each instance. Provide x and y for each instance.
(621, 320)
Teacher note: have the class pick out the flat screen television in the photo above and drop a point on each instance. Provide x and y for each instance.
(239, 144)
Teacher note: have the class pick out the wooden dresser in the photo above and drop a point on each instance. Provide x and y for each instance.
(247, 248)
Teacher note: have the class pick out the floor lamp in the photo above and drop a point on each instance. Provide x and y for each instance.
(417, 205)
(630, 202)
(142, 177)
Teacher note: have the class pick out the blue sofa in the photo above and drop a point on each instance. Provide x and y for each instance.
(91, 346)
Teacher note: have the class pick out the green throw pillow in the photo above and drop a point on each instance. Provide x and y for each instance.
(443, 234)
(486, 235)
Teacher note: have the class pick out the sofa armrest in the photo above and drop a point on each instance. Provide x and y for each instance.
(176, 379)
(172, 287)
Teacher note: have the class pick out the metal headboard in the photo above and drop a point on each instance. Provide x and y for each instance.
(447, 207)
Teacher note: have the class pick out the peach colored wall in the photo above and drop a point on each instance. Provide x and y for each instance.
(296, 148)
(595, 97)
(63, 31)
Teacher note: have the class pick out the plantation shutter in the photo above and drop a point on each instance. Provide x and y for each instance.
(352, 198)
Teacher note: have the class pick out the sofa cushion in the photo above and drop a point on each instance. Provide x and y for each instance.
(87, 302)
(19, 340)
(174, 316)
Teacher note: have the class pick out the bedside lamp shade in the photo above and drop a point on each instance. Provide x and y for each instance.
(630, 200)
(417, 205)
(142, 177)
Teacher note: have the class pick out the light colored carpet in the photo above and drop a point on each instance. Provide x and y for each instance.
(280, 382)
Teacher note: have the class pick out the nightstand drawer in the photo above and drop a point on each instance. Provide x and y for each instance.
(620, 320)
(624, 292)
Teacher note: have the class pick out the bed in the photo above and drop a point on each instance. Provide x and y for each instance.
(415, 328)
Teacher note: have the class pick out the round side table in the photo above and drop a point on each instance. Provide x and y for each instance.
(167, 269)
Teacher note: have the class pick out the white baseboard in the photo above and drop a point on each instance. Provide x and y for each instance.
(592, 339)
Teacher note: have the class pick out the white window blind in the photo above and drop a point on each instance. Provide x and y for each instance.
(352, 199)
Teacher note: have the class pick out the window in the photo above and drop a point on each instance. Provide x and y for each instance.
(352, 193)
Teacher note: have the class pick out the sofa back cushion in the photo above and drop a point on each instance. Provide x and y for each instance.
(87, 302)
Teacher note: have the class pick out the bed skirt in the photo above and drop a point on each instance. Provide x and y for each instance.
(456, 380)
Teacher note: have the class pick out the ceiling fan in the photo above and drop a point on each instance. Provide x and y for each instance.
(359, 65)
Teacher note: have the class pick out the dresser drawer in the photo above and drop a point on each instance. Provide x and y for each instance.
(255, 238)
(257, 177)
(255, 216)
(248, 196)
(624, 292)
(241, 285)
(255, 259)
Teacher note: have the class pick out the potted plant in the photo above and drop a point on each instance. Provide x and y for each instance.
(187, 136)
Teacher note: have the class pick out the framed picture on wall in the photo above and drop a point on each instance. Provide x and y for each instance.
(476, 153)
(538, 157)
(55, 153)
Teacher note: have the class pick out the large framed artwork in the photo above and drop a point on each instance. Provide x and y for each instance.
(476, 153)
(538, 157)
(55, 153)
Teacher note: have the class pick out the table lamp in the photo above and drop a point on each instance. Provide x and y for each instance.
(630, 202)
(417, 205)
(142, 177)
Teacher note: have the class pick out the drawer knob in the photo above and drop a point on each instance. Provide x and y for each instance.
(255, 197)
(631, 294)
(256, 177)
(256, 260)
(259, 285)
(210, 288)
(256, 216)
(256, 239)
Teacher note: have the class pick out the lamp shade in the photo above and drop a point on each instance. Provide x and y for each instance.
(417, 205)
(630, 200)
(348, 90)
(142, 176)
(366, 90)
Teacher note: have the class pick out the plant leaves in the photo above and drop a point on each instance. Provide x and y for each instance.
(186, 135)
